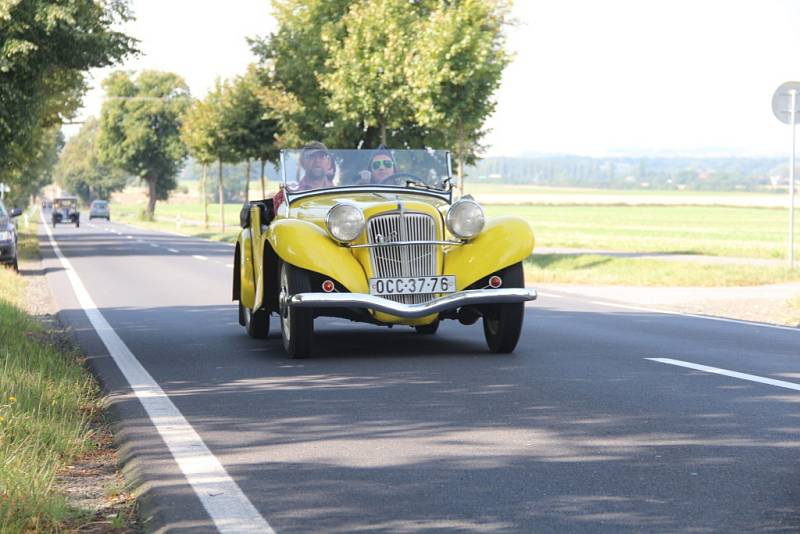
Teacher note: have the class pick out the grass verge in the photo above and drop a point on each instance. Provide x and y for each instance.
(604, 270)
(47, 403)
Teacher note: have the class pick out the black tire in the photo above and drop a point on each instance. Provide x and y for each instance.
(15, 265)
(77, 224)
(428, 329)
(255, 323)
(297, 324)
(502, 323)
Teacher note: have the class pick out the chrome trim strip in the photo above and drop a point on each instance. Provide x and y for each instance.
(469, 297)
(398, 243)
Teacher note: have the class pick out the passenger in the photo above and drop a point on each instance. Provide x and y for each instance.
(381, 167)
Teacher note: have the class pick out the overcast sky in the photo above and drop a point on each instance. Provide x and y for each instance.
(592, 78)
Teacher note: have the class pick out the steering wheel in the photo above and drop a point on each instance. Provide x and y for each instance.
(397, 178)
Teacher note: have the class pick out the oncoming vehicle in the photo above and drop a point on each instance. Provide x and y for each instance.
(99, 209)
(8, 236)
(65, 210)
(376, 237)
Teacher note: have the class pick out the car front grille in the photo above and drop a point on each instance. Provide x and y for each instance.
(393, 261)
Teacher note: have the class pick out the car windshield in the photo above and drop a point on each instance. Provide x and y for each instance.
(318, 168)
(99, 204)
(66, 202)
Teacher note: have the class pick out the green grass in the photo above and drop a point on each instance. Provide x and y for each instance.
(604, 270)
(718, 231)
(47, 400)
(478, 188)
(131, 214)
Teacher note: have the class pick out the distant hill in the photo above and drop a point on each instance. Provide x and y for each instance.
(709, 174)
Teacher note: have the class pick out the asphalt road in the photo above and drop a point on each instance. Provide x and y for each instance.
(387, 430)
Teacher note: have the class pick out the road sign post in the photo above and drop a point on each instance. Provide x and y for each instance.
(784, 106)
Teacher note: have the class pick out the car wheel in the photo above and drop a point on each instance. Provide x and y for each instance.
(77, 224)
(15, 265)
(502, 323)
(428, 329)
(256, 323)
(297, 324)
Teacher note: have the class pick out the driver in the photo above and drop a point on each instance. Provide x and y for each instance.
(317, 165)
(381, 167)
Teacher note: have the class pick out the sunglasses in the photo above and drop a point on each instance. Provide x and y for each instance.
(387, 163)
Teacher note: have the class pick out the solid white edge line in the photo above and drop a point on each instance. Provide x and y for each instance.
(549, 295)
(696, 316)
(726, 372)
(226, 504)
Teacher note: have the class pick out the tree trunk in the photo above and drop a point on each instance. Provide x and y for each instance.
(205, 196)
(247, 182)
(151, 198)
(461, 157)
(221, 198)
(263, 185)
(383, 133)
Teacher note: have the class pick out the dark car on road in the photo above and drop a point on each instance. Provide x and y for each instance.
(8, 236)
(65, 210)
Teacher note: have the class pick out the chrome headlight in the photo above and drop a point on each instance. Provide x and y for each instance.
(5, 236)
(345, 222)
(465, 219)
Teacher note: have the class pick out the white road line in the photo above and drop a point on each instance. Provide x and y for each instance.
(129, 236)
(549, 295)
(229, 265)
(195, 256)
(228, 506)
(174, 251)
(154, 245)
(693, 315)
(734, 374)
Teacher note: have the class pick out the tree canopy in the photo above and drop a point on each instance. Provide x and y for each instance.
(140, 125)
(356, 73)
(79, 169)
(46, 46)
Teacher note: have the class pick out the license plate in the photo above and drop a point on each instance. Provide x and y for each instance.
(419, 285)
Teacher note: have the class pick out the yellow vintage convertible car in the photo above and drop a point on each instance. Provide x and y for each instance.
(376, 236)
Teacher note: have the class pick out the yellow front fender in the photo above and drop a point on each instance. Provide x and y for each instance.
(306, 245)
(504, 241)
(247, 289)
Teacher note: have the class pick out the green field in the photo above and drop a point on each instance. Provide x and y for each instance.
(605, 270)
(719, 231)
(478, 188)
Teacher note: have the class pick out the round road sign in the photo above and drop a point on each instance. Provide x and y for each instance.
(782, 102)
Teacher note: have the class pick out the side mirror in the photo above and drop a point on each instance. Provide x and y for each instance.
(16, 212)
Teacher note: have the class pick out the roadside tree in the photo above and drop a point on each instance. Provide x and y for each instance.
(45, 48)
(140, 126)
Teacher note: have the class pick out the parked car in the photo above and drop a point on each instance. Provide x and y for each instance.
(377, 237)
(65, 210)
(99, 209)
(8, 236)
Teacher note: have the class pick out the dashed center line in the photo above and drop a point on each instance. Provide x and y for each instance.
(726, 372)
(174, 251)
(229, 265)
(195, 256)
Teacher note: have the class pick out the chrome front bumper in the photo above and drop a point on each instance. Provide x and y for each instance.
(470, 297)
